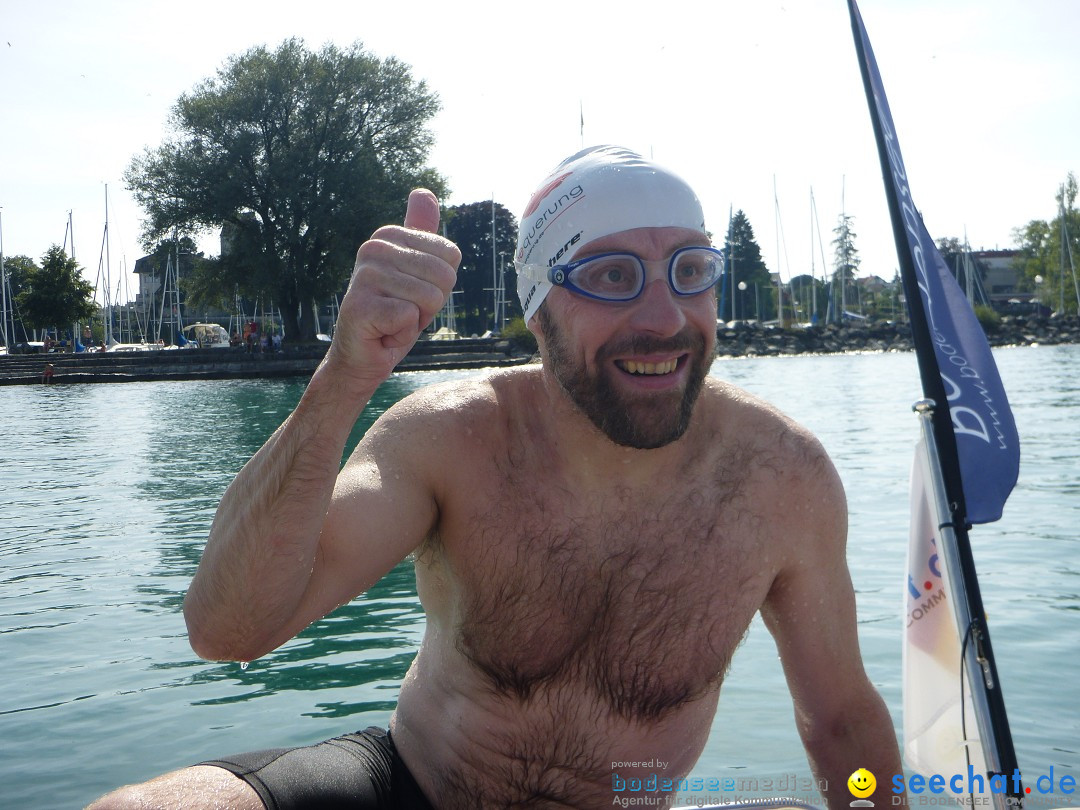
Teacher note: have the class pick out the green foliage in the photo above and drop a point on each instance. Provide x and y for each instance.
(804, 289)
(743, 260)
(846, 263)
(1044, 266)
(299, 156)
(987, 316)
(469, 226)
(518, 333)
(55, 294)
(17, 269)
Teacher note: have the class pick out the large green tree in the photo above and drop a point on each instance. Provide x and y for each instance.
(298, 156)
(1049, 250)
(55, 294)
(469, 226)
(744, 265)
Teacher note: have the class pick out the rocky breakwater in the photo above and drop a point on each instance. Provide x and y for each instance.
(748, 339)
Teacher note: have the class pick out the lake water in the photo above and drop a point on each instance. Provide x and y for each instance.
(107, 493)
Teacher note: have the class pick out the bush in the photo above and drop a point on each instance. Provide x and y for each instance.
(988, 317)
(519, 335)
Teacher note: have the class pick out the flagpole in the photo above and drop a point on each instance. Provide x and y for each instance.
(993, 721)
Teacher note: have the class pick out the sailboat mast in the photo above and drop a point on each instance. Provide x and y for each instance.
(494, 274)
(843, 264)
(3, 286)
(779, 281)
(179, 321)
(731, 261)
(813, 274)
(108, 275)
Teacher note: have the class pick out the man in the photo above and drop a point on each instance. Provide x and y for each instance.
(610, 524)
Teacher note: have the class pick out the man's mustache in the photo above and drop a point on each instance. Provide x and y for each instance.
(686, 340)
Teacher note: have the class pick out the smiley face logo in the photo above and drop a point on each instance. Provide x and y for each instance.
(861, 783)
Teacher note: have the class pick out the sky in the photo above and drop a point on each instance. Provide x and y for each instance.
(757, 104)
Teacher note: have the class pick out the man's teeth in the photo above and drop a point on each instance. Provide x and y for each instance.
(634, 367)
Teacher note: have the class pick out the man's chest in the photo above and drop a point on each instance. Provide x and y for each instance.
(640, 600)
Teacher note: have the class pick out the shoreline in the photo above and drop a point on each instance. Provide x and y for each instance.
(744, 339)
(748, 339)
(236, 363)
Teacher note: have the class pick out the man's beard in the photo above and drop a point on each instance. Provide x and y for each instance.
(645, 421)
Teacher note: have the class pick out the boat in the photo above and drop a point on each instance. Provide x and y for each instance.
(444, 333)
(207, 335)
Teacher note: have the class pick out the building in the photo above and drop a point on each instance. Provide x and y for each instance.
(1001, 277)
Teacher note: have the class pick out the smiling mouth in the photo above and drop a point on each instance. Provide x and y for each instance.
(634, 367)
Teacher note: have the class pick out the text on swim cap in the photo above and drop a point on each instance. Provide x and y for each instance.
(562, 251)
(551, 212)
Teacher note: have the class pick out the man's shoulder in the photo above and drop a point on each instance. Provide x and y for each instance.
(729, 403)
(758, 427)
(471, 399)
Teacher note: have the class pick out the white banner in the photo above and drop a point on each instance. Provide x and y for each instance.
(934, 729)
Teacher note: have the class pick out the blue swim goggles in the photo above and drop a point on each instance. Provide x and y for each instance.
(621, 276)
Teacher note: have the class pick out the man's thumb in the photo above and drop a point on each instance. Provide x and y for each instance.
(422, 213)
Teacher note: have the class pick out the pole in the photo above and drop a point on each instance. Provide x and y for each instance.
(1061, 276)
(4, 285)
(108, 274)
(911, 241)
(779, 280)
(731, 260)
(494, 274)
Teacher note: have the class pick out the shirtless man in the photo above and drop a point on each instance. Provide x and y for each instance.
(592, 536)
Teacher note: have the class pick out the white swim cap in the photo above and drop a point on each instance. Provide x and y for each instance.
(597, 192)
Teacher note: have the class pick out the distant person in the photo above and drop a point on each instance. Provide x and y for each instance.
(47, 374)
(611, 522)
(277, 342)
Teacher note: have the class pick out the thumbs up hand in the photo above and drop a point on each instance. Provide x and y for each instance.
(401, 279)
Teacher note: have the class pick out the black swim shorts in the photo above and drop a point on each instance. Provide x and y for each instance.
(361, 770)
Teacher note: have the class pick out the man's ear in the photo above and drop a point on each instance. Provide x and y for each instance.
(535, 324)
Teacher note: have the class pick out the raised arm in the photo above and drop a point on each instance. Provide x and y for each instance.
(273, 563)
(810, 611)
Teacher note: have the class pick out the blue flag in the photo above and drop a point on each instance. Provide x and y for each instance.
(944, 325)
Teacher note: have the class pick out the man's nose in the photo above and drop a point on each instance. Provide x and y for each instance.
(658, 309)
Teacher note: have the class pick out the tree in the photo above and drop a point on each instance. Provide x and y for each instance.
(16, 269)
(1045, 264)
(298, 157)
(744, 265)
(470, 227)
(55, 294)
(808, 296)
(846, 264)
